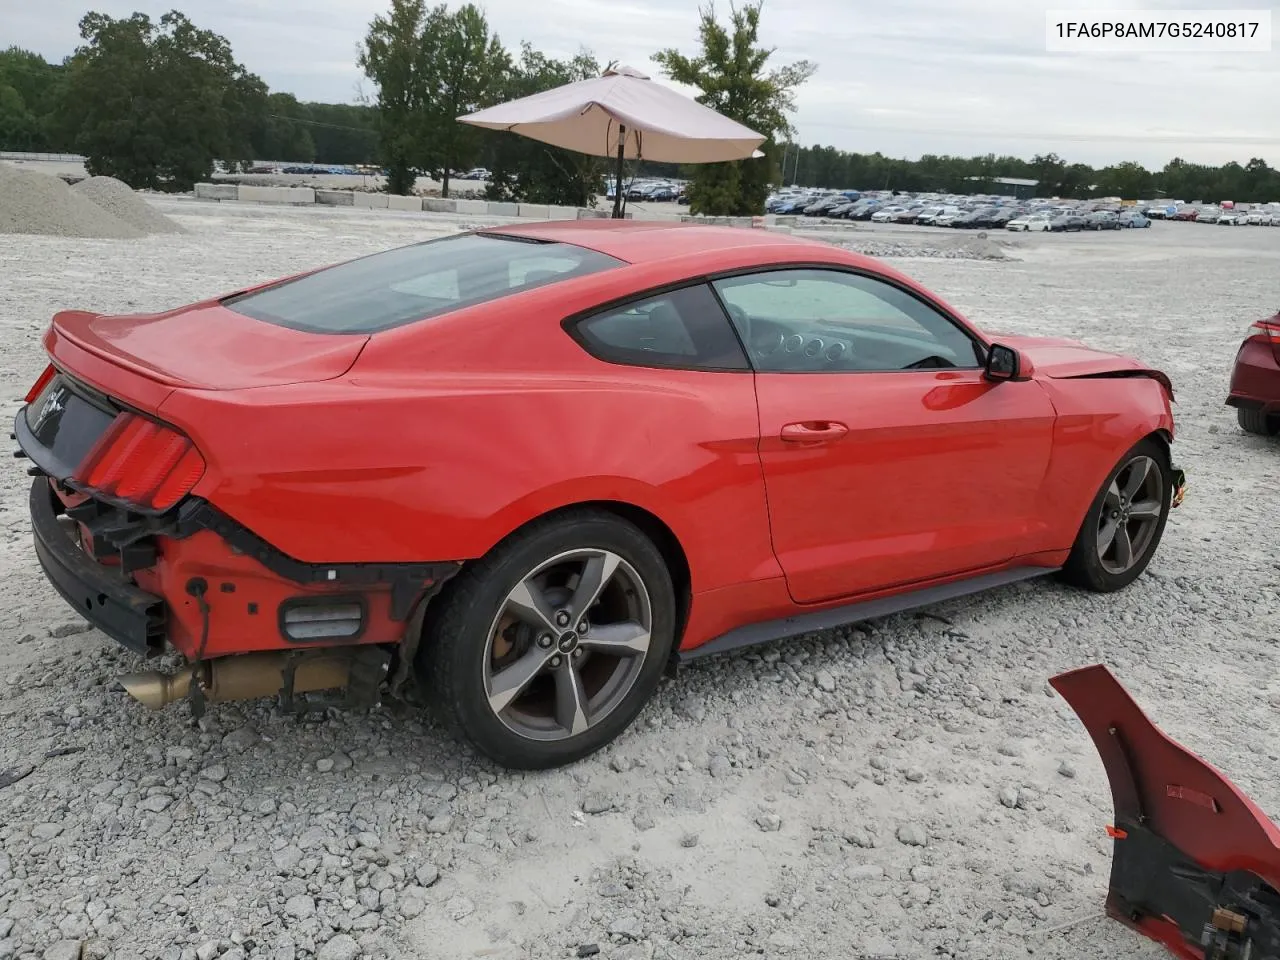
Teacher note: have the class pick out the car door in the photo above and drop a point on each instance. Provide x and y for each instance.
(888, 458)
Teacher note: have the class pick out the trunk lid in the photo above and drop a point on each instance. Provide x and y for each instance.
(207, 347)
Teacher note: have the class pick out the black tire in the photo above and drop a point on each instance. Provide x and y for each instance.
(1085, 567)
(452, 660)
(1257, 422)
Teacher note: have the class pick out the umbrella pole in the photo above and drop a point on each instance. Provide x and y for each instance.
(617, 191)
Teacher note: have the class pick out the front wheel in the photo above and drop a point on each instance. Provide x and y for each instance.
(548, 647)
(1124, 523)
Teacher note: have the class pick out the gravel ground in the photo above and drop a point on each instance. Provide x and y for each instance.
(905, 788)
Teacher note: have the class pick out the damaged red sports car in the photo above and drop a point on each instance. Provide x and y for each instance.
(517, 474)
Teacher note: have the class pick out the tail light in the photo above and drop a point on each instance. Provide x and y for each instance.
(141, 462)
(43, 381)
(1269, 328)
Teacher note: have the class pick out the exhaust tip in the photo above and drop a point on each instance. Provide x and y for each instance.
(154, 690)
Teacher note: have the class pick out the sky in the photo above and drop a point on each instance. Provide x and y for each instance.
(904, 77)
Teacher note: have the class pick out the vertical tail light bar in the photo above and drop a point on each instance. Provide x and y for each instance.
(141, 462)
(42, 381)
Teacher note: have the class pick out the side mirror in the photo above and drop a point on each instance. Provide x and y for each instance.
(1003, 363)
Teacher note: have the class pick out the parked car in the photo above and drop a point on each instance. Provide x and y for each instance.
(885, 214)
(1230, 218)
(1134, 219)
(1068, 222)
(1036, 222)
(1103, 220)
(300, 507)
(1255, 379)
(1259, 218)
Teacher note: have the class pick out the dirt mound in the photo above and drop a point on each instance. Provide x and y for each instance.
(32, 202)
(117, 198)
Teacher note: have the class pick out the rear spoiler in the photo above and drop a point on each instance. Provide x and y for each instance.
(1195, 863)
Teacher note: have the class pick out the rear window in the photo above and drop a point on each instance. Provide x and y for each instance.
(417, 282)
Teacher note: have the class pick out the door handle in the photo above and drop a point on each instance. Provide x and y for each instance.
(813, 431)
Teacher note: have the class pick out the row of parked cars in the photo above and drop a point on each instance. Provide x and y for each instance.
(650, 191)
(981, 212)
(1262, 216)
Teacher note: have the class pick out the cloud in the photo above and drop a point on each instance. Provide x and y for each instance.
(905, 78)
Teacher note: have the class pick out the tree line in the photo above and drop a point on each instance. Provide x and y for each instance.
(155, 103)
(1254, 182)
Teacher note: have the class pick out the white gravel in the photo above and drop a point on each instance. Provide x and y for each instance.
(118, 199)
(906, 788)
(37, 203)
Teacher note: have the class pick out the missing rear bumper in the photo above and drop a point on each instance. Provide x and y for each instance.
(130, 616)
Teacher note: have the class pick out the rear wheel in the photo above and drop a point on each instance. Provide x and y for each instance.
(1124, 523)
(1255, 421)
(547, 648)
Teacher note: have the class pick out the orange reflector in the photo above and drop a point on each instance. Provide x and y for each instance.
(1115, 833)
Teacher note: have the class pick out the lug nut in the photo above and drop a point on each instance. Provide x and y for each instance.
(583, 627)
(545, 640)
(555, 661)
(562, 618)
(577, 653)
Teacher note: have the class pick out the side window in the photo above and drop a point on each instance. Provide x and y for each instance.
(807, 321)
(684, 329)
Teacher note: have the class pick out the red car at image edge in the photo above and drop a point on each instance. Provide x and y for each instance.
(1255, 379)
(518, 474)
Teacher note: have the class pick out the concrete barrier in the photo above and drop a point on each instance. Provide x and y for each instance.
(217, 191)
(335, 198)
(562, 213)
(295, 195)
(397, 202)
(534, 211)
(369, 201)
(440, 205)
(475, 207)
(502, 209)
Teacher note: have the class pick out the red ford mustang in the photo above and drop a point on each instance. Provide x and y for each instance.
(519, 473)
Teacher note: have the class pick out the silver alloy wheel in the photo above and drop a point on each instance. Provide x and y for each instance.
(1130, 514)
(567, 644)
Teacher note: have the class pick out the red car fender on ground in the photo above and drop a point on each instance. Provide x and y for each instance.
(1196, 864)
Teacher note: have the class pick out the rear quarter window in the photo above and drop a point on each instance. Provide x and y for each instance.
(417, 282)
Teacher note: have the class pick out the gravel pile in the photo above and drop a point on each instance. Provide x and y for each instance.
(976, 248)
(908, 788)
(118, 199)
(36, 203)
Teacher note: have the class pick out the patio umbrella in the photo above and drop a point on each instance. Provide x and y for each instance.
(624, 114)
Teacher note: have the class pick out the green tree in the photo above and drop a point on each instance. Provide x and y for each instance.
(1126, 180)
(731, 71)
(430, 67)
(463, 68)
(155, 104)
(392, 59)
(29, 89)
(276, 134)
(535, 172)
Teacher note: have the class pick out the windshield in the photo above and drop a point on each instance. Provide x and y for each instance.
(417, 282)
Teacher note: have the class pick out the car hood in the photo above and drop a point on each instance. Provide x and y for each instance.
(206, 346)
(1060, 358)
